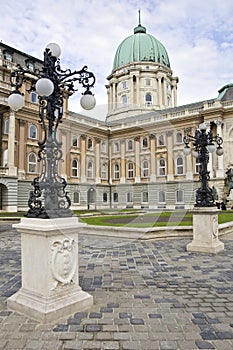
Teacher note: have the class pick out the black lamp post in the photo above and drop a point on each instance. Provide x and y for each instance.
(49, 199)
(203, 143)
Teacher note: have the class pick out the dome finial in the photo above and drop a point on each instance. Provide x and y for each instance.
(139, 17)
(139, 28)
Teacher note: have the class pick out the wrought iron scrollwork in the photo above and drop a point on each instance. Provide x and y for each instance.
(201, 141)
(49, 197)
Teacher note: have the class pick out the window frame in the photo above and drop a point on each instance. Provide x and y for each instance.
(160, 167)
(35, 131)
(90, 169)
(179, 167)
(116, 172)
(145, 169)
(75, 168)
(32, 163)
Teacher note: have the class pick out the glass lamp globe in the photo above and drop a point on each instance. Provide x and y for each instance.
(54, 49)
(195, 154)
(202, 126)
(44, 87)
(16, 101)
(211, 148)
(187, 151)
(87, 101)
(219, 151)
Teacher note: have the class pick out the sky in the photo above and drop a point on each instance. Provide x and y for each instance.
(198, 36)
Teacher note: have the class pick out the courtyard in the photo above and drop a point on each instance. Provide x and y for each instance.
(147, 295)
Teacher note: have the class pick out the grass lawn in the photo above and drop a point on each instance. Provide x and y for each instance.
(176, 218)
(134, 218)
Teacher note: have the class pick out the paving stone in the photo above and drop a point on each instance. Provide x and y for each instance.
(204, 345)
(111, 345)
(146, 293)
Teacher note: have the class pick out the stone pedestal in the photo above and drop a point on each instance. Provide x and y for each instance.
(205, 231)
(50, 277)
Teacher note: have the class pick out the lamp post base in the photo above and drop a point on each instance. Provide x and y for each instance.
(205, 231)
(50, 279)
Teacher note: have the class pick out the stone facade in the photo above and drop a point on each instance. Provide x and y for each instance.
(133, 160)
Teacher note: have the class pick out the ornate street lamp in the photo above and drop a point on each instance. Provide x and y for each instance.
(203, 143)
(48, 199)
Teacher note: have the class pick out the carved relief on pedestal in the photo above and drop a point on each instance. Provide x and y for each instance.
(64, 261)
(215, 227)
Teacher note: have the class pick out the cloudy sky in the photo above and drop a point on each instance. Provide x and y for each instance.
(198, 35)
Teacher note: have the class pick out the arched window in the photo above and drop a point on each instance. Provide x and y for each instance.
(116, 171)
(145, 142)
(76, 198)
(104, 147)
(161, 167)
(145, 197)
(148, 99)
(179, 165)
(116, 147)
(197, 165)
(5, 158)
(105, 197)
(89, 144)
(90, 169)
(124, 86)
(161, 140)
(32, 163)
(115, 197)
(104, 171)
(33, 97)
(145, 168)
(130, 145)
(6, 126)
(124, 100)
(130, 170)
(129, 197)
(32, 132)
(75, 141)
(179, 137)
(162, 197)
(75, 167)
(179, 196)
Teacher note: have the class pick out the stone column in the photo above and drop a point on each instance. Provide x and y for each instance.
(220, 169)
(65, 157)
(12, 170)
(160, 92)
(50, 272)
(205, 231)
(97, 160)
(114, 100)
(21, 170)
(152, 158)
(138, 97)
(189, 167)
(122, 169)
(137, 159)
(83, 158)
(170, 160)
(175, 96)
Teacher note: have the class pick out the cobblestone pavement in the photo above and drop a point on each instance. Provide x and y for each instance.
(147, 295)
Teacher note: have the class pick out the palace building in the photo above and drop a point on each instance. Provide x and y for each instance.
(135, 158)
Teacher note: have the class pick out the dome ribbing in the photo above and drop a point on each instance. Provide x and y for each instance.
(140, 47)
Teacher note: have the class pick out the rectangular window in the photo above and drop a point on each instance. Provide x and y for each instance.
(33, 97)
(145, 197)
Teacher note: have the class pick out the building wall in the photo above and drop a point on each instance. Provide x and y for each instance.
(153, 136)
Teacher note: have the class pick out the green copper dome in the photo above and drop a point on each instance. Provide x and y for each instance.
(140, 47)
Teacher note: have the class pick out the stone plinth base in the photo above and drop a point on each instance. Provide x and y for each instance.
(205, 231)
(50, 280)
